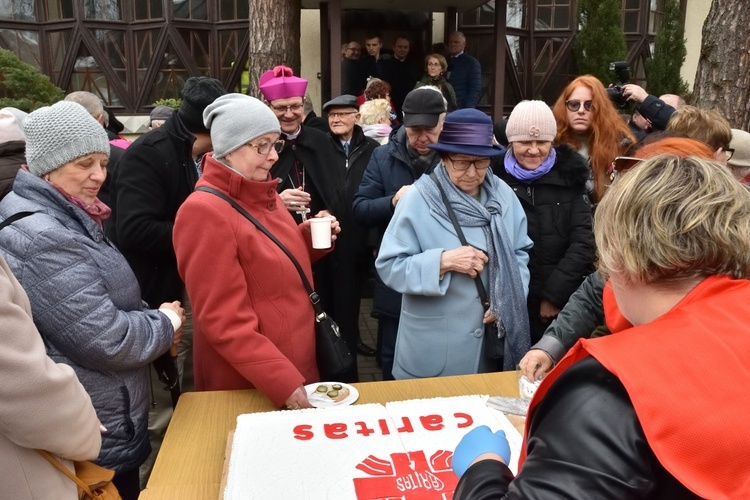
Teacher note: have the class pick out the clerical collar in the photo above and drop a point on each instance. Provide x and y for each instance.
(456, 55)
(291, 137)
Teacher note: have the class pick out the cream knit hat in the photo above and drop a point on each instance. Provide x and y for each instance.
(11, 125)
(58, 134)
(531, 121)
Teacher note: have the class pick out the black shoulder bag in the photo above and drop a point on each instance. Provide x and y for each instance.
(13, 218)
(332, 352)
(494, 338)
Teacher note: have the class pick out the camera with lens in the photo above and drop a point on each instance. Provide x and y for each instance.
(622, 73)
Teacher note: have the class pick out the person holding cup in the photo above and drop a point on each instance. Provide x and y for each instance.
(254, 323)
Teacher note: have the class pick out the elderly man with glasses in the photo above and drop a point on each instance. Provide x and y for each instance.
(348, 265)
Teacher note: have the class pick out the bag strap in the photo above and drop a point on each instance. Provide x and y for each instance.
(314, 297)
(13, 218)
(56, 463)
(459, 232)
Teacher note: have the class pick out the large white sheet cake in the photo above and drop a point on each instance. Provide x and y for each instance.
(399, 451)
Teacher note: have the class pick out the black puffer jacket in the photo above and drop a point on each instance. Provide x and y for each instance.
(559, 223)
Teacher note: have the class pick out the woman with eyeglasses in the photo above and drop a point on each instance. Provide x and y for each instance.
(85, 298)
(442, 323)
(589, 123)
(254, 323)
(550, 183)
(435, 67)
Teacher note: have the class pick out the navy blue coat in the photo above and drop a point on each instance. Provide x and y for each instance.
(389, 169)
(465, 76)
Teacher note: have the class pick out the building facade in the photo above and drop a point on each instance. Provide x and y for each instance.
(134, 52)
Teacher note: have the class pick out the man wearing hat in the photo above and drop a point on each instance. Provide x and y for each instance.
(350, 259)
(307, 183)
(155, 176)
(158, 116)
(392, 169)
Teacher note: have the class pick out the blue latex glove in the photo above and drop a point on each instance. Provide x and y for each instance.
(476, 442)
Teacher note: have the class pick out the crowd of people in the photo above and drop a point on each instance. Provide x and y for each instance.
(448, 67)
(482, 240)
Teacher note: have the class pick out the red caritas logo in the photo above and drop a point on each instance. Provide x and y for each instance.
(407, 476)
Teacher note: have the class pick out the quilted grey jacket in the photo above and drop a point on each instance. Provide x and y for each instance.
(86, 304)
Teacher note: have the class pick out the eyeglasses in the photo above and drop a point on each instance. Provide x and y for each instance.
(283, 109)
(729, 152)
(341, 114)
(621, 164)
(479, 163)
(265, 147)
(576, 105)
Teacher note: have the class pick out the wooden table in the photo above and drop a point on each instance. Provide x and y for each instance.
(190, 461)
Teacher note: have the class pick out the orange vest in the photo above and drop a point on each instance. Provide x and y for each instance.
(688, 376)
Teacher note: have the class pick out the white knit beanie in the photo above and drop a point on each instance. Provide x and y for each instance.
(531, 121)
(236, 119)
(58, 134)
(11, 125)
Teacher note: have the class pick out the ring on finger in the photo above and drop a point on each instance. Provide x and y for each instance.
(293, 203)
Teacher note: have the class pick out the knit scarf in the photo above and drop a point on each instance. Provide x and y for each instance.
(525, 175)
(437, 80)
(97, 210)
(506, 294)
(377, 130)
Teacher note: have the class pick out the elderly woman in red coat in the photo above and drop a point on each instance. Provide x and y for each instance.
(254, 323)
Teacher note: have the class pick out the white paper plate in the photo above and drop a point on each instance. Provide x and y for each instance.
(321, 400)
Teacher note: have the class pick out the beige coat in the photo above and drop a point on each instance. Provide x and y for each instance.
(42, 405)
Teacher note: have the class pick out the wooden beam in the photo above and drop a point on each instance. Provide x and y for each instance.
(450, 22)
(498, 90)
(334, 53)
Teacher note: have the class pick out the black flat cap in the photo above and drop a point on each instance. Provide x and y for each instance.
(342, 101)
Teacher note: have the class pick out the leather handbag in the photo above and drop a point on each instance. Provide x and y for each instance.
(94, 482)
(332, 352)
(494, 337)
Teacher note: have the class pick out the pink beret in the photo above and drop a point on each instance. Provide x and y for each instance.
(280, 83)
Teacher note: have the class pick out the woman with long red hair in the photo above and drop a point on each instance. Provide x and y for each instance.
(588, 121)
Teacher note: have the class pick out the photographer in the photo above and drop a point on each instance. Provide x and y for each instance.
(657, 110)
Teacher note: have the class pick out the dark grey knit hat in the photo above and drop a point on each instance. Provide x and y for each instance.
(236, 119)
(160, 113)
(198, 92)
(58, 134)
